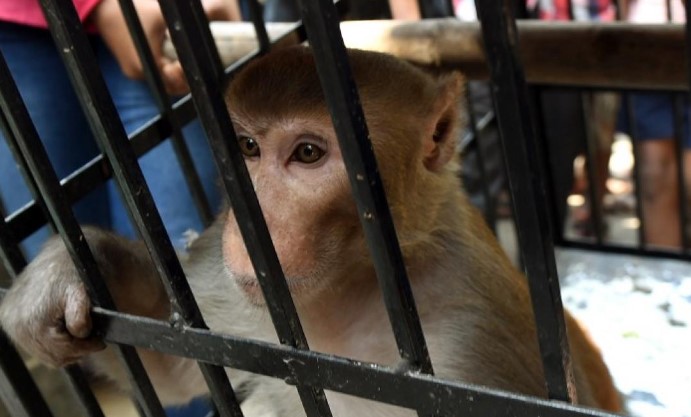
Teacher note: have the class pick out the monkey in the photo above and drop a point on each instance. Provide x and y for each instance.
(474, 306)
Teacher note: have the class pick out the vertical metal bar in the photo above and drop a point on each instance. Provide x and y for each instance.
(592, 165)
(259, 27)
(668, 8)
(534, 229)
(627, 102)
(489, 209)
(679, 138)
(48, 185)
(21, 164)
(10, 254)
(17, 390)
(429, 10)
(15, 261)
(82, 390)
(535, 101)
(110, 135)
(188, 31)
(163, 103)
(322, 26)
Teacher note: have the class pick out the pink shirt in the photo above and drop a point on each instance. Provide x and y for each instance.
(28, 12)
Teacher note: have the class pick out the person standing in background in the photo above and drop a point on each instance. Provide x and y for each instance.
(653, 125)
(42, 79)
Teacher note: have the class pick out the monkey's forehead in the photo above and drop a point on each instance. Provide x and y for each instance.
(287, 81)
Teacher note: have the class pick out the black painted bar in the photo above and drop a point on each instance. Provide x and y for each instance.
(474, 145)
(17, 390)
(80, 183)
(111, 138)
(322, 26)
(592, 165)
(627, 102)
(376, 382)
(528, 193)
(679, 110)
(200, 60)
(10, 254)
(257, 18)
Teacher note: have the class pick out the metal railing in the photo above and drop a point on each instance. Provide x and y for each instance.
(310, 372)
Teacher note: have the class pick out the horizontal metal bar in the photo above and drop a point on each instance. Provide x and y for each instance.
(366, 380)
(653, 253)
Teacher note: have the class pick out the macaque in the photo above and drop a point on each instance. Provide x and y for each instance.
(473, 304)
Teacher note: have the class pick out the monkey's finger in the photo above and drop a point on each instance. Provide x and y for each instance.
(77, 308)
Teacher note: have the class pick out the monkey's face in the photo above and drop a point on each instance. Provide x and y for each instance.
(302, 186)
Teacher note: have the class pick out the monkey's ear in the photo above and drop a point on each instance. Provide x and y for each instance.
(440, 139)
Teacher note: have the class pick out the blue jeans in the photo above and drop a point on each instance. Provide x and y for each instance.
(53, 106)
(55, 110)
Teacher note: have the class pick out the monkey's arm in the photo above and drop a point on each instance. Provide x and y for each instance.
(47, 311)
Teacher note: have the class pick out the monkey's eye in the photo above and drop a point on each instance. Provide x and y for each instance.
(248, 146)
(308, 153)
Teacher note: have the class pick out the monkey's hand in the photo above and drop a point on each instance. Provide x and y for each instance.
(47, 311)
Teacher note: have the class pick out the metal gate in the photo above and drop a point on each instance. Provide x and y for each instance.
(186, 334)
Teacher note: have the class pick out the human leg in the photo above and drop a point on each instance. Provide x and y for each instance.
(653, 124)
(660, 192)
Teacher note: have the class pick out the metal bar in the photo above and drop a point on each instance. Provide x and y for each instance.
(257, 19)
(165, 108)
(653, 253)
(627, 102)
(592, 168)
(489, 211)
(429, 10)
(535, 100)
(188, 31)
(531, 214)
(366, 380)
(18, 390)
(82, 390)
(10, 254)
(11, 142)
(111, 138)
(570, 10)
(321, 23)
(679, 129)
(42, 172)
(15, 262)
